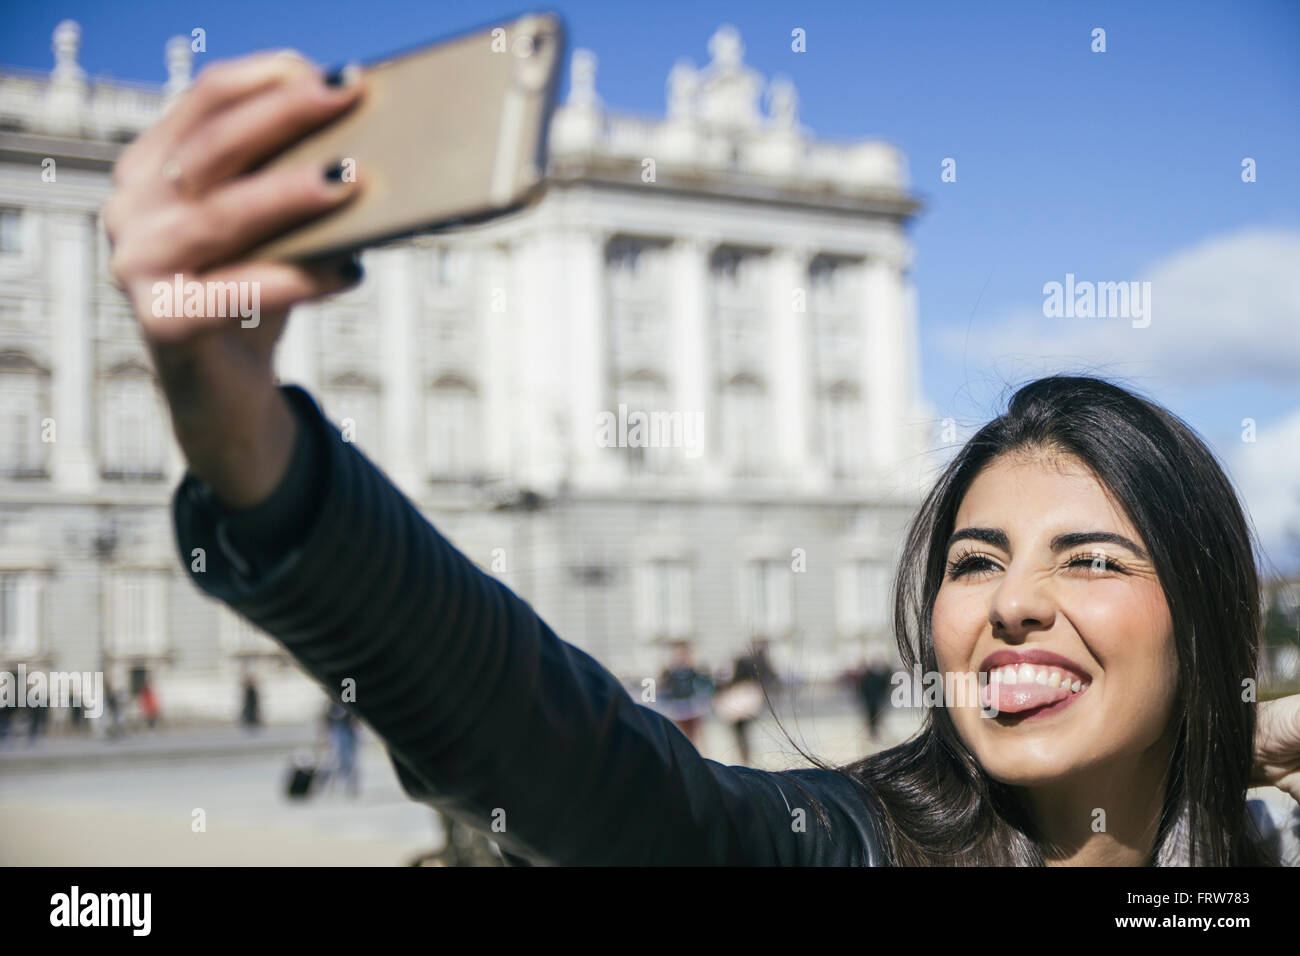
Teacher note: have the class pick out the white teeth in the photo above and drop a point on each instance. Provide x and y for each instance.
(1031, 674)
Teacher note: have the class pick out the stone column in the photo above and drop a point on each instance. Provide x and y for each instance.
(585, 372)
(535, 344)
(884, 379)
(72, 460)
(692, 351)
(491, 304)
(914, 438)
(791, 363)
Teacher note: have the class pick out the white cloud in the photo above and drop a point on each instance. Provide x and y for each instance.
(1222, 312)
(1267, 472)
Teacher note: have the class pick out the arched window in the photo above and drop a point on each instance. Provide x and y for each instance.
(652, 442)
(20, 614)
(352, 401)
(839, 416)
(636, 301)
(768, 590)
(664, 599)
(453, 429)
(746, 425)
(132, 424)
(24, 403)
(11, 227)
(136, 609)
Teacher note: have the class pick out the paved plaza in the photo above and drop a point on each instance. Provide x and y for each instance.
(90, 801)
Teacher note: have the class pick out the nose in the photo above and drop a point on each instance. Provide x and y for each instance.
(1020, 606)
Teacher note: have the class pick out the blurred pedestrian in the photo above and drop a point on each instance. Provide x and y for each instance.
(250, 715)
(36, 718)
(872, 689)
(114, 705)
(740, 700)
(149, 708)
(342, 729)
(686, 692)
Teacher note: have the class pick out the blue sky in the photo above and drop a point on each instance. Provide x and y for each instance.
(1115, 166)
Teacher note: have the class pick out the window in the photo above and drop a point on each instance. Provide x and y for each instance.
(453, 430)
(636, 288)
(862, 598)
(445, 266)
(835, 304)
(740, 311)
(664, 599)
(21, 400)
(240, 637)
(623, 258)
(726, 265)
(745, 426)
(769, 598)
(132, 428)
(354, 403)
(11, 224)
(20, 607)
(653, 433)
(839, 415)
(136, 613)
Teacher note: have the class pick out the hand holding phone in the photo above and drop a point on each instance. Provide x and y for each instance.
(447, 134)
(197, 203)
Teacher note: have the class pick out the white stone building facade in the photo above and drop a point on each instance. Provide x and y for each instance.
(716, 275)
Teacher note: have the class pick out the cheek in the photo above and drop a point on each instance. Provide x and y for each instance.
(1130, 632)
(956, 623)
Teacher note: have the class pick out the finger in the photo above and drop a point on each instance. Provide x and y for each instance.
(246, 295)
(217, 87)
(282, 285)
(240, 137)
(253, 209)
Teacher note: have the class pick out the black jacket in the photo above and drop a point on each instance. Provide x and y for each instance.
(487, 715)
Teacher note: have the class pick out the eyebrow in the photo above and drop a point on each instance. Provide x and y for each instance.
(1073, 539)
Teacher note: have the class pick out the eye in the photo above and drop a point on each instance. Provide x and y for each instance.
(968, 563)
(1097, 563)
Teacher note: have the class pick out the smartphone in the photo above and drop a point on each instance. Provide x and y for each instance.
(445, 135)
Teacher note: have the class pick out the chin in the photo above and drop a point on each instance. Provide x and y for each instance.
(1025, 773)
(1026, 762)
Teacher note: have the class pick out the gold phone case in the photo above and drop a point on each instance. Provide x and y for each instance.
(444, 135)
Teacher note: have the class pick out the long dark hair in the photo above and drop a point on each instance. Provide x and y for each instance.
(935, 804)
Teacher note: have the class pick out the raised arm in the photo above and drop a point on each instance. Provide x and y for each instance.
(486, 713)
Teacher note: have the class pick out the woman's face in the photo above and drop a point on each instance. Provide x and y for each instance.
(1052, 586)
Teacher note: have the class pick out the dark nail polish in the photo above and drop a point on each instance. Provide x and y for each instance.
(351, 270)
(334, 174)
(340, 75)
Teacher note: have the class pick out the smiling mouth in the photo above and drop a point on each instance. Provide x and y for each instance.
(1023, 691)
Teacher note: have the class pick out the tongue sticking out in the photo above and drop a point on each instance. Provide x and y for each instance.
(1014, 698)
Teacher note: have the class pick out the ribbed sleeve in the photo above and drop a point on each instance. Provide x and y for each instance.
(487, 715)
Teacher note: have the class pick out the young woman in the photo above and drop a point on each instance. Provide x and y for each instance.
(1083, 559)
